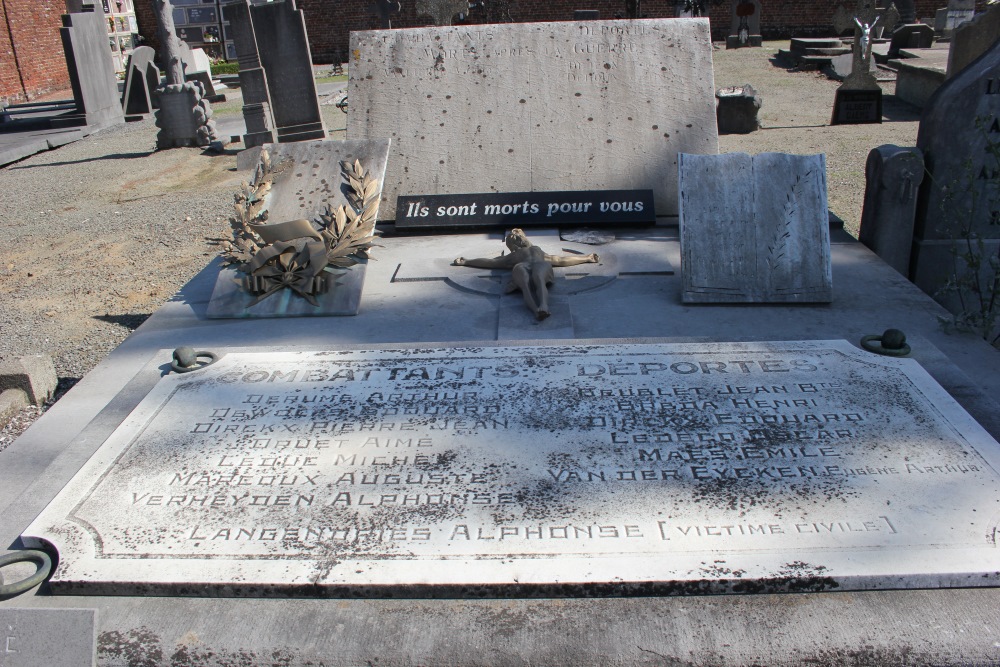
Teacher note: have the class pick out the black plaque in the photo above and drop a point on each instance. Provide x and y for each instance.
(180, 18)
(855, 107)
(202, 15)
(526, 209)
(192, 35)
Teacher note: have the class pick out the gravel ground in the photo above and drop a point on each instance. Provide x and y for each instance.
(98, 234)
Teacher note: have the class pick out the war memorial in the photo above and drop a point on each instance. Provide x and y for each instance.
(524, 371)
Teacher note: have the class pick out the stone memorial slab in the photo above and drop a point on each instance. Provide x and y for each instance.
(307, 179)
(566, 469)
(972, 39)
(961, 121)
(142, 78)
(49, 637)
(283, 49)
(253, 79)
(893, 176)
(534, 107)
(959, 136)
(91, 73)
(911, 36)
(526, 209)
(754, 229)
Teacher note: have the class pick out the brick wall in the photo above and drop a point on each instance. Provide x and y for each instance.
(34, 64)
(330, 23)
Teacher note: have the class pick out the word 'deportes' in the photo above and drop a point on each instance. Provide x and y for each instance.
(523, 209)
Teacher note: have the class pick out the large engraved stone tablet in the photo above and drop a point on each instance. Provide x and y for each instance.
(531, 107)
(576, 469)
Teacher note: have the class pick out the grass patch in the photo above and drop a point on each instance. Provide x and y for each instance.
(331, 79)
(226, 68)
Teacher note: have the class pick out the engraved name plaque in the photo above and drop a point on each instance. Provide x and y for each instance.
(557, 470)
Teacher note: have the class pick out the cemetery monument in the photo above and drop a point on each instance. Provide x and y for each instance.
(257, 114)
(184, 115)
(859, 98)
(445, 449)
(745, 28)
(493, 123)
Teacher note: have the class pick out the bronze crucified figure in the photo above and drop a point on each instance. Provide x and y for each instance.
(531, 269)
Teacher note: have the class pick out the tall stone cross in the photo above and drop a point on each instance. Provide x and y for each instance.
(442, 11)
(863, 20)
(385, 9)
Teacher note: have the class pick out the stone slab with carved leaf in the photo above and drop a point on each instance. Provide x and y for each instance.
(754, 229)
(302, 230)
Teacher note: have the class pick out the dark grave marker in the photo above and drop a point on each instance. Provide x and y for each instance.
(857, 107)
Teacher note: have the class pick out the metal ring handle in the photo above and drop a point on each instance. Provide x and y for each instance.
(40, 575)
(892, 343)
(187, 360)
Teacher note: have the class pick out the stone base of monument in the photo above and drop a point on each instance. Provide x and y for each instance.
(856, 107)
(341, 296)
(917, 80)
(733, 41)
(185, 118)
(886, 627)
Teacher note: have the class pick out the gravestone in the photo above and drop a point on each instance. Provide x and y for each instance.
(283, 47)
(859, 98)
(306, 182)
(198, 67)
(972, 39)
(959, 136)
(754, 229)
(737, 109)
(384, 9)
(142, 78)
(91, 73)
(253, 79)
(957, 13)
(48, 637)
(893, 176)
(907, 11)
(484, 117)
(442, 11)
(582, 469)
(912, 36)
(745, 27)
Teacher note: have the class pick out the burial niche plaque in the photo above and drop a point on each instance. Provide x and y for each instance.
(576, 469)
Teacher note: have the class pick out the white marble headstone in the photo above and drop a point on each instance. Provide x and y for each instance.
(566, 469)
(529, 107)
